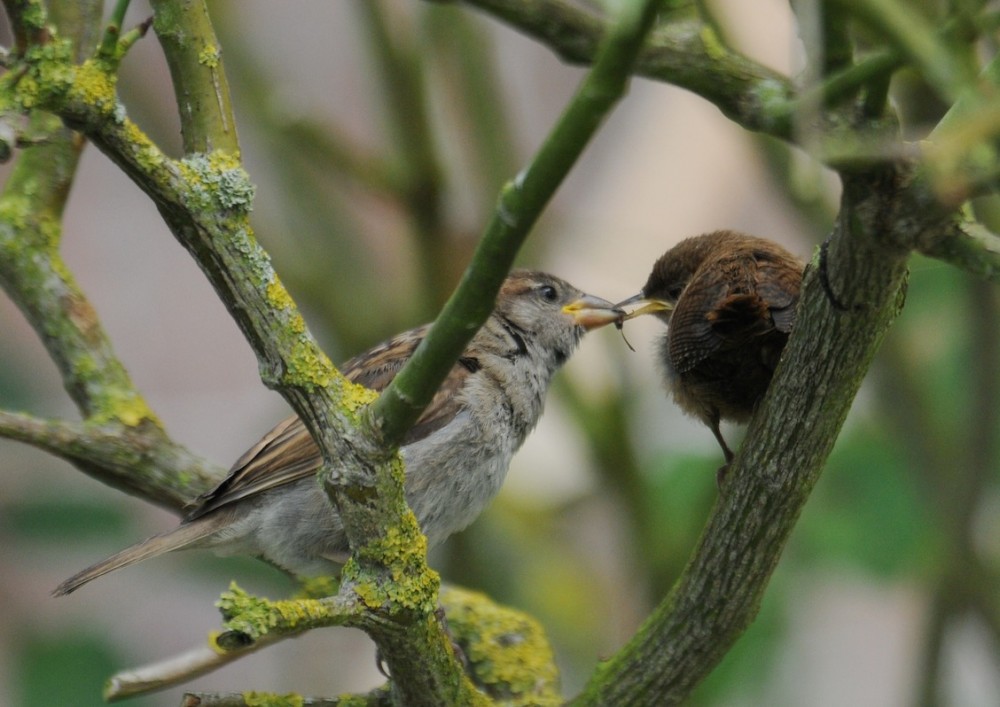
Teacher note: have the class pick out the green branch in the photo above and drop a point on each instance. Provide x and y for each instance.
(121, 442)
(914, 36)
(684, 53)
(520, 204)
(138, 459)
(969, 246)
(196, 68)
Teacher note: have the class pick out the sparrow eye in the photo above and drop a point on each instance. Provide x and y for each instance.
(548, 293)
(674, 293)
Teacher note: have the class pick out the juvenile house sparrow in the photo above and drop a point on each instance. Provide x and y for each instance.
(729, 302)
(271, 505)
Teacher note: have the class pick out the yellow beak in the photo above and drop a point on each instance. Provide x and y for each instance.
(650, 305)
(593, 312)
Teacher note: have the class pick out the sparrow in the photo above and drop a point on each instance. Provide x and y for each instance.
(728, 300)
(271, 505)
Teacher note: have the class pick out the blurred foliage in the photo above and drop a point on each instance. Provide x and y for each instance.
(54, 519)
(434, 175)
(65, 669)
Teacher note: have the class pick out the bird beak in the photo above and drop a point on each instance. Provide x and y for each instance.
(651, 305)
(593, 312)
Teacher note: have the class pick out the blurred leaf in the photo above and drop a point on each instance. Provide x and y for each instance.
(258, 577)
(680, 492)
(866, 511)
(60, 671)
(936, 323)
(55, 519)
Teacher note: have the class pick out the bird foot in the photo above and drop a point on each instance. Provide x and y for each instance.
(720, 475)
(460, 655)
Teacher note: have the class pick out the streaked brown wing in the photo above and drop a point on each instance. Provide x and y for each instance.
(377, 366)
(779, 284)
(692, 336)
(284, 454)
(288, 453)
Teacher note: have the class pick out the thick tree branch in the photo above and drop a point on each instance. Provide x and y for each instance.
(684, 52)
(782, 456)
(121, 443)
(507, 653)
(138, 459)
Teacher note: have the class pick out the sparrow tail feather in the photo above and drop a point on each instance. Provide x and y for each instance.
(176, 539)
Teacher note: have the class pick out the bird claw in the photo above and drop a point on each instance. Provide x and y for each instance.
(460, 655)
(720, 475)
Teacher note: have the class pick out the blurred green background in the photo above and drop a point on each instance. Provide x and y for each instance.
(379, 134)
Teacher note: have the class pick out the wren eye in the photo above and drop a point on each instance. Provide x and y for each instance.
(548, 293)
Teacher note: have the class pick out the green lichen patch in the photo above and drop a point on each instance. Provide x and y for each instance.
(279, 298)
(308, 366)
(146, 153)
(391, 572)
(508, 653)
(94, 85)
(122, 405)
(25, 230)
(710, 40)
(318, 587)
(277, 295)
(47, 75)
(256, 616)
(354, 397)
(209, 56)
(270, 699)
(217, 180)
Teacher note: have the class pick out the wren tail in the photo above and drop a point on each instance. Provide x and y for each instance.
(180, 537)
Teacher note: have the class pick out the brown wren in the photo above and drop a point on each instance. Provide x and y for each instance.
(729, 302)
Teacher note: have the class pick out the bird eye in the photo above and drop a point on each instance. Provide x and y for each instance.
(548, 293)
(674, 293)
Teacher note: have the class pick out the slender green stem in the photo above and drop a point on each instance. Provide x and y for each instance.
(520, 204)
(113, 31)
(134, 35)
(916, 38)
(200, 85)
